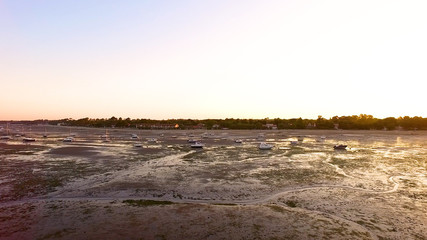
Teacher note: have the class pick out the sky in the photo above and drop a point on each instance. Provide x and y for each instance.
(212, 59)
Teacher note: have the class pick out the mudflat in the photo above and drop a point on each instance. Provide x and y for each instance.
(91, 189)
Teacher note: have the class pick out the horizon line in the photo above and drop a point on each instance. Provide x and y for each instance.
(201, 119)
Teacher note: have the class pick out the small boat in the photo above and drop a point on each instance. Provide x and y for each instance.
(152, 140)
(321, 139)
(238, 141)
(197, 145)
(68, 139)
(294, 142)
(105, 137)
(265, 146)
(134, 136)
(137, 145)
(6, 137)
(340, 147)
(28, 139)
(300, 138)
(45, 133)
(191, 141)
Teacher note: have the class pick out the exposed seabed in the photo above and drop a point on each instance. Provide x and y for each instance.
(88, 188)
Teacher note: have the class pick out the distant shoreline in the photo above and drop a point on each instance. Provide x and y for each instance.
(354, 122)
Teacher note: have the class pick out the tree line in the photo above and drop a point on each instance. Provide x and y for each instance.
(361, 122)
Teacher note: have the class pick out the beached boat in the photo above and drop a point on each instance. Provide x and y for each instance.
(265, 146)
(45, 133)
(197, 145)
(5, 137)
(105, 137)
(321, 139)
(68, 139)
(28, 139)
(340, 147)
(134, 136)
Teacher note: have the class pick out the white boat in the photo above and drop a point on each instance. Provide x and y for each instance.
(265, 146)
(68, 139)
(321, 139)
(238, 141)
(6, 137)
(197, 145)
(191, 141)
(105, 137)
(28, 139)
(134, 136)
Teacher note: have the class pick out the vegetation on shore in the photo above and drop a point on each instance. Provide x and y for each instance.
(362, 122)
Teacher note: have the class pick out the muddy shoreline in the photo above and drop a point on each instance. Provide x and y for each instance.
(377, 189)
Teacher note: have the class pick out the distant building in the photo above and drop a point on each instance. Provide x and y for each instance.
(159, 126)
(199, 126)
(271, 126)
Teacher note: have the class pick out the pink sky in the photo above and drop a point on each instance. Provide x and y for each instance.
(212, 59)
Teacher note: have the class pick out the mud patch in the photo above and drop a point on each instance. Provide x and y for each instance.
(74, 151)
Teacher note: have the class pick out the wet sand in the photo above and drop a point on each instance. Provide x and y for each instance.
(375, 190)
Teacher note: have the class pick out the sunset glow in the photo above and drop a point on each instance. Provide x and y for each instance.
(212, 59)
